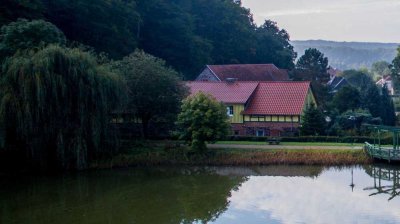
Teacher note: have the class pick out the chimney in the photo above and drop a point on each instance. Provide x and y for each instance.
(231, 80)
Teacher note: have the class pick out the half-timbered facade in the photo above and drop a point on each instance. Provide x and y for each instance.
(261, 108)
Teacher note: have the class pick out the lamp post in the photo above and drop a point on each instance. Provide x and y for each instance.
(352, 185)
(352, 118)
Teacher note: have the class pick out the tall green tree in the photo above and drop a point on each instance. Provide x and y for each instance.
(168, 32)
(313, 122)
(313, 66)
(395, 67)
(226, 25)
(202, 120)
(358, 78)
(388, 114)
(371, 100)
(154, 90)
(273, 46)
(347, 98)
(24, 34)
(111, 26)
(380, 68)
(55, 106)
(11, 10)
(187, 34)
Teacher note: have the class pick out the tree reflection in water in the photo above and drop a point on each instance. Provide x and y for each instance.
(160, 195)
(384, 173)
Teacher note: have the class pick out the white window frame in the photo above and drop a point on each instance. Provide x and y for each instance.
(229, 111)
(260, 131)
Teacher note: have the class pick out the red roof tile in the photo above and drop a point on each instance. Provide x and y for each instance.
(249, 72)
(278, 98)
(237, 92)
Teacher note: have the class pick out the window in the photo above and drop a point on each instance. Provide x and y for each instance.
(229, 111)
(260, 133)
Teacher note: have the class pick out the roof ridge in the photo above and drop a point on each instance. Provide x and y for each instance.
(242, 64)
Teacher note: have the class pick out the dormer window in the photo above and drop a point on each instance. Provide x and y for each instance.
(229, 111)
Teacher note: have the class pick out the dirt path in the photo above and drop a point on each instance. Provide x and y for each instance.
(232, 146)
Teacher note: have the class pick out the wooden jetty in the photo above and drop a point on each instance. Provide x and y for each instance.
(387, 174)
(384, 152)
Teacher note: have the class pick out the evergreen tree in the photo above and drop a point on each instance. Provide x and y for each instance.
(388, 114)
(313, 122)
(371, 100)
(395, 66)
(313, 66)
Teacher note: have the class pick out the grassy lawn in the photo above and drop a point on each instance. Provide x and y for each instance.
(289, 143)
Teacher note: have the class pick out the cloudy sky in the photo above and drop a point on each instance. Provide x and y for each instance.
(340, 20)
(325, 199)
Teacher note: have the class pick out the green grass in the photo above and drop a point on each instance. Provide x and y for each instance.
(289, 143)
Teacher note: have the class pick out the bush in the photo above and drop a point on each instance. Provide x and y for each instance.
(338, 139)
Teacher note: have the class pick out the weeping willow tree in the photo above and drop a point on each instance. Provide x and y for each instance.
(55, 106)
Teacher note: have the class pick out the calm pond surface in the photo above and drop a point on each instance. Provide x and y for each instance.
(269, 194)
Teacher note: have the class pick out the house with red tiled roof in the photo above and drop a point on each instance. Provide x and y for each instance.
(260, 108)
(243, 72)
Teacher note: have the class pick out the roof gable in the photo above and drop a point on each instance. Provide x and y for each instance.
(337, 83)
(278, 98)
(249, 72)
(235, 93)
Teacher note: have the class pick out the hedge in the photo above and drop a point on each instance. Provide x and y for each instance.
(339, 139)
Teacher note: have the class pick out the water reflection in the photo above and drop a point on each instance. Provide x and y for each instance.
(221, 195)
(384, 173)
(123, 196)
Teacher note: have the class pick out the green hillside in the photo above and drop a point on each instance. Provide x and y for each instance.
(349, 55)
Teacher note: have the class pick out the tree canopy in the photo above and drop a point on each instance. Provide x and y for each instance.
(396, 69)
(313, 122)
(347, 98)
(24, 34)
(380, 68)
(202, 119)
(358, 78)
(313, 66)
(187, 34)
(153, 89)
(55, 106)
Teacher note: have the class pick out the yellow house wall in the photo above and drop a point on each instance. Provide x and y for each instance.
(310, 99)
(239, 118)
(237, 113)
(273, 118)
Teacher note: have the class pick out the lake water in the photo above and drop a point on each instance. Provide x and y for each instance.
(220, 195)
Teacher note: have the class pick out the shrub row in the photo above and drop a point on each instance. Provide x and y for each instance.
(339, 139)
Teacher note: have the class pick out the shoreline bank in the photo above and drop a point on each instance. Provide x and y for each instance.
(218, 155)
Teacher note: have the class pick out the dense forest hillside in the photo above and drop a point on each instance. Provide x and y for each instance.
(186, 33)
(349, 55)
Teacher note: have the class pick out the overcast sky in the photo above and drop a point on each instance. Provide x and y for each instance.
(339, 20)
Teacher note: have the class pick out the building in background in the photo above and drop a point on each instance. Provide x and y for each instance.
(260, 108)
(243, 72)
